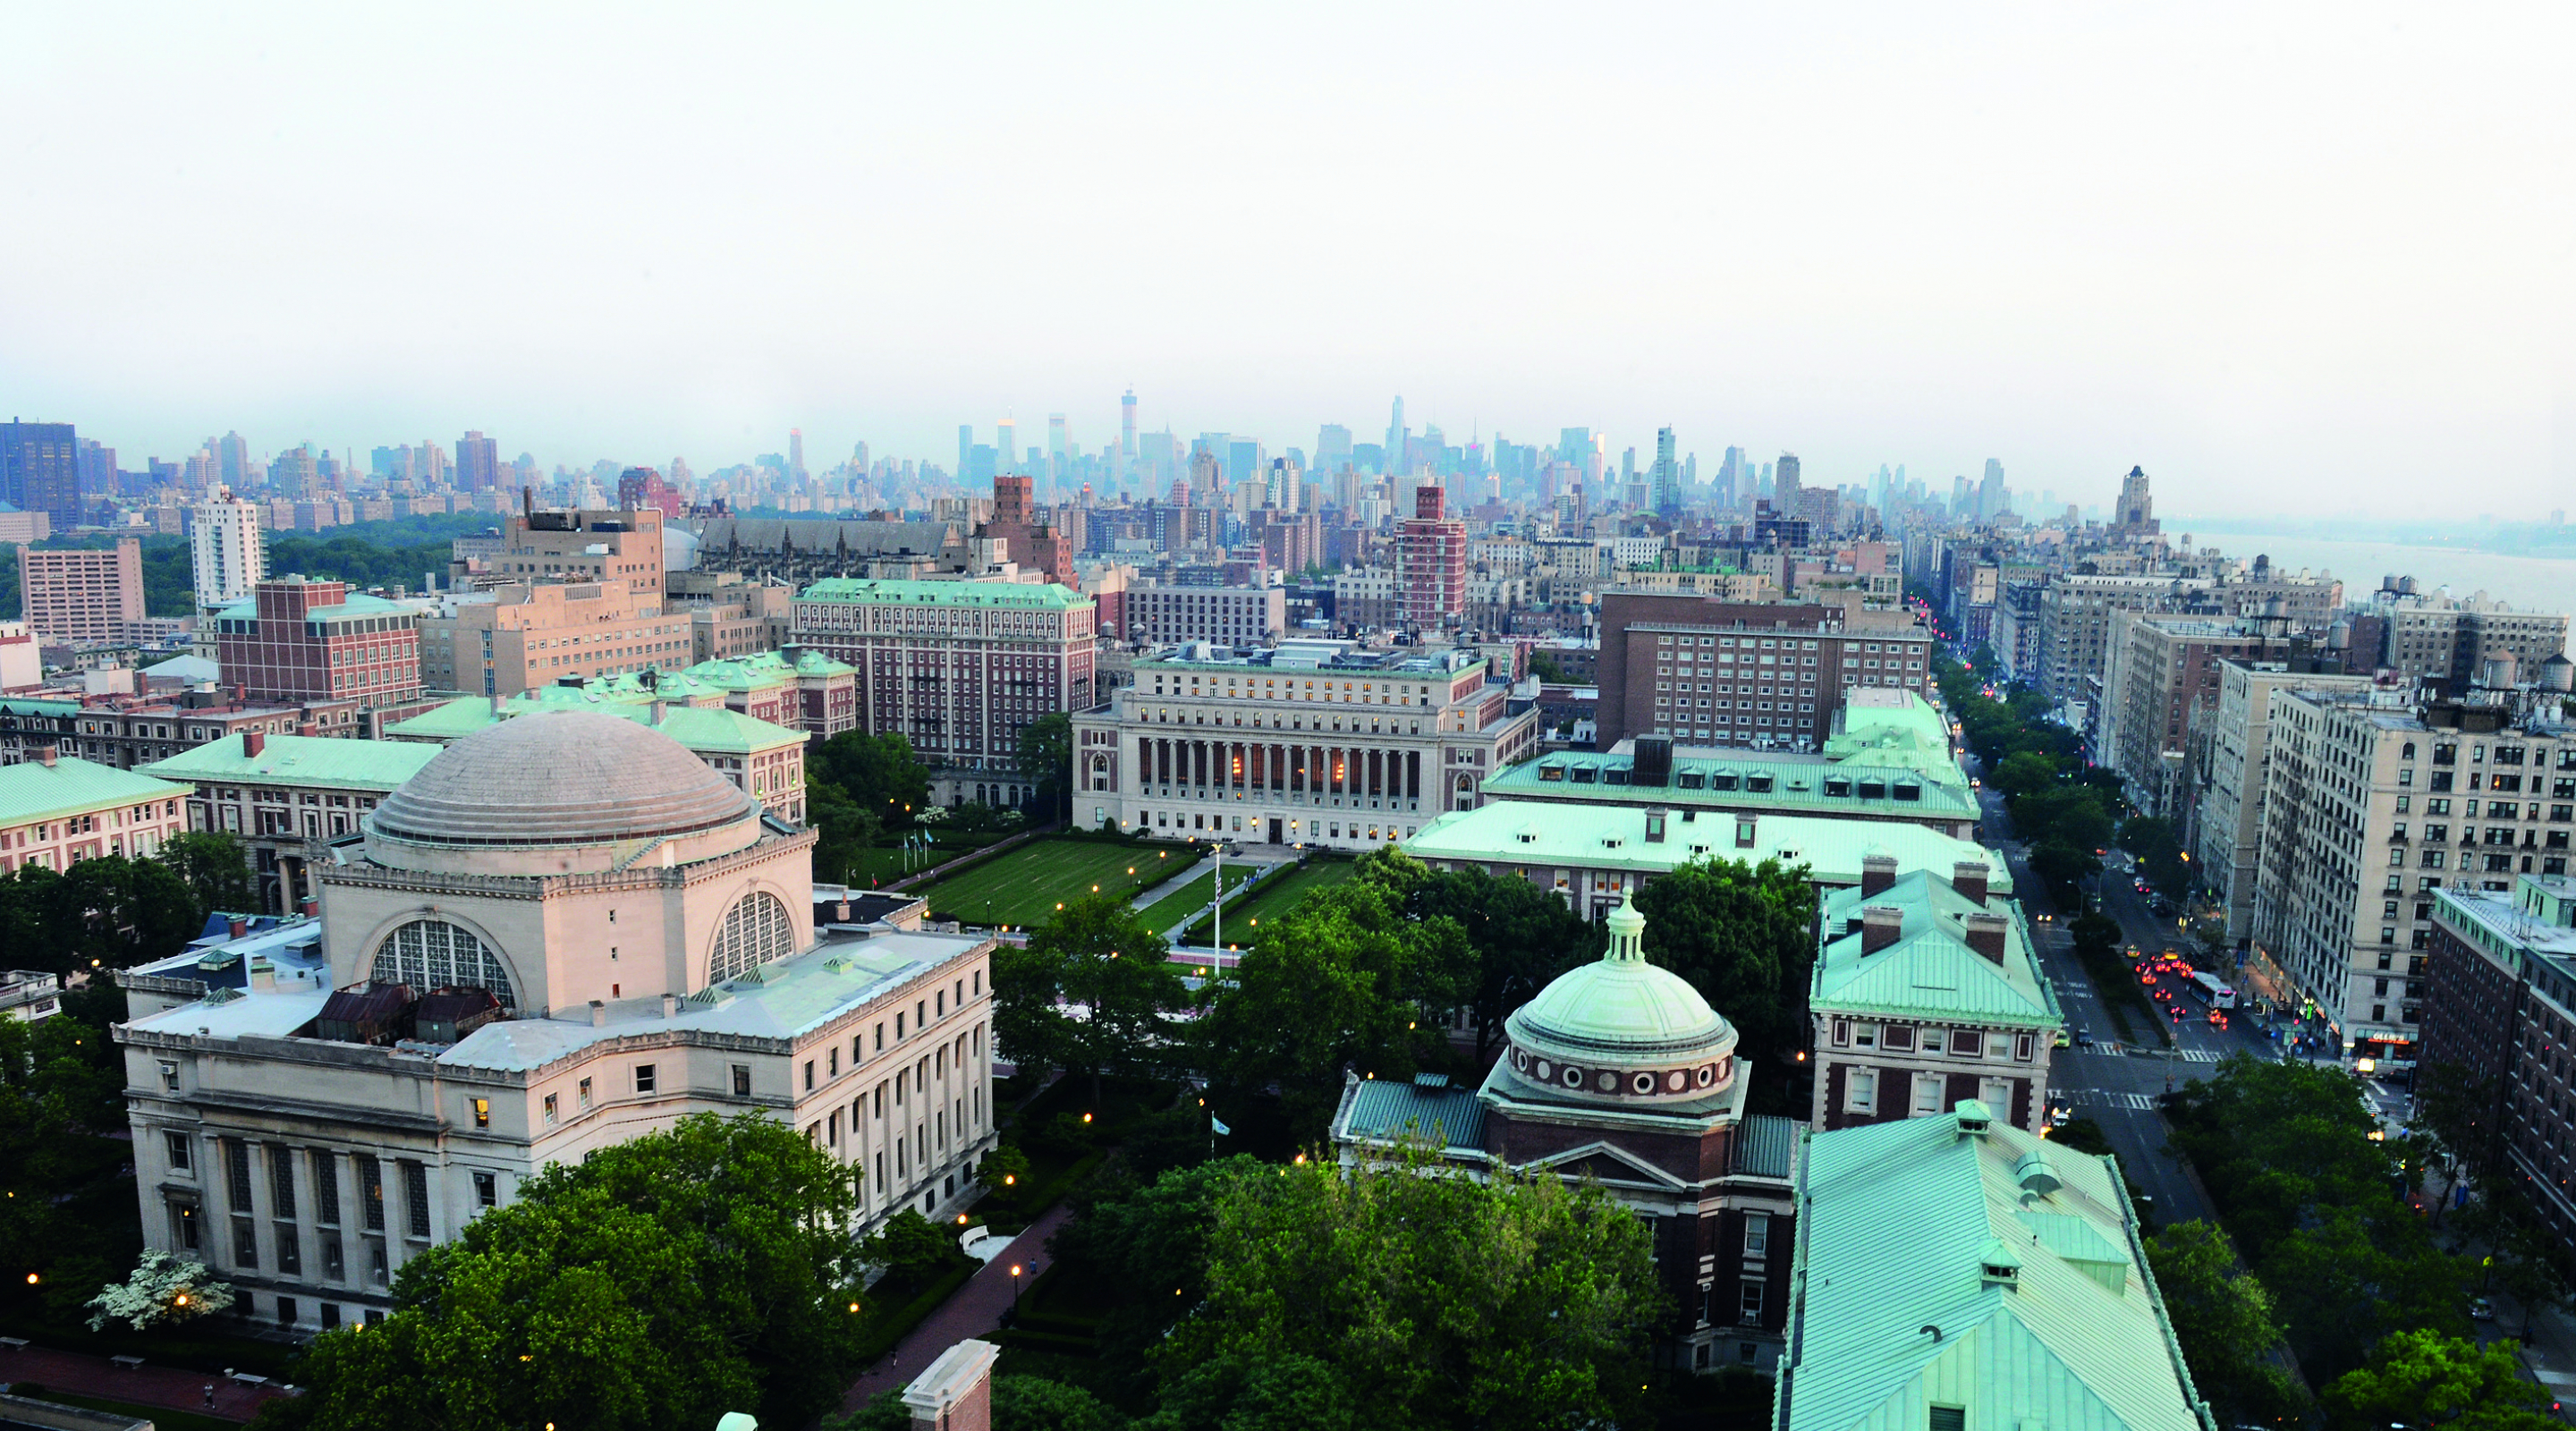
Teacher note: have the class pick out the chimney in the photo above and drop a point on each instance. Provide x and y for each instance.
(598, 1014)
(497, 699)
(239, 926)
(1986, 936)
(1877, 874)
(311, 908)
(1968, 877)
(46, 754)
(253, 742)
(670, 1006)
(658, 708)
(841, 912)
(955, 1392)
(1880, 926)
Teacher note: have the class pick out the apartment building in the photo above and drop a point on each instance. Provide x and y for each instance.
(1431, 563)
(2371, 805)
(2453, 643)
(2160, 681)
(297, 641)
(2226, 832)
(1759, 674)
(82, 595)
(513, 638)
(1365, 599)
(1159, 615)
(583, 544)
(960, 668)
(227, 548)
(57, 810)
(2500, 1004)
(1309, 742)
(2075, 614)
(741, 621)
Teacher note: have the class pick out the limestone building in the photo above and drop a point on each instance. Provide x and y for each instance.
(318, 1100)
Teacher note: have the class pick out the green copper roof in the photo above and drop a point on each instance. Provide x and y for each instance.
(1929, 973)
(40, 708)
(350, 607)
(1730, 779)
(1382, 1110)
(706, 730)
(1910, 734)
(1620, 1004)
(33, 790)
(318, 761)
(988, 594)
(1898, 1313)
(1511, 834)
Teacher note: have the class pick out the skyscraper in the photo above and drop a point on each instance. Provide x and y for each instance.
(478, 462)
(1127, 435)
(1006, 439)
(1666, 475)
(796, 452)
(965, 446)
(1785, 497)
(1332, 447)
(1059, 449)
(1396, 432)
(1990, 491)
(234, 456)
(2136, 516)
(228, 554)
(40, 470)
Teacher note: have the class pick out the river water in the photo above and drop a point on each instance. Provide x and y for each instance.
(2528, 583)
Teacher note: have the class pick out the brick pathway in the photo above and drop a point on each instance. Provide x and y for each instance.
(147, 1385)
(972, 1310)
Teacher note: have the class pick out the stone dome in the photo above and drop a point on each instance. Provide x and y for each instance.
(1621, 1029)
(520, 795)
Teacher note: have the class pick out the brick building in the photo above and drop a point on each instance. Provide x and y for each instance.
(1431, 563)
(1771, 673)
(1032, 542)
(510, 638)
(2501, 1004)
(580, 544)
(960, 668)
(82, 594)
(297, 641)
(1159, 615)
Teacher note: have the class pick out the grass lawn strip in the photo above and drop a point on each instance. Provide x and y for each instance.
(1024, 886)
(1273, 897)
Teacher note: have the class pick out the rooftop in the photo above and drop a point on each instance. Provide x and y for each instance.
(319, 761)
(1982, 1268)
(869, 591)
(33, 790)
(703, 729)
(355, 605)
(1297, 654)
(1574, 836)
(1929, 972)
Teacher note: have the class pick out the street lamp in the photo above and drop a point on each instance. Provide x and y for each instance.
(1015, 1290)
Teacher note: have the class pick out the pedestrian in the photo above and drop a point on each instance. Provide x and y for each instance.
(210, 1396)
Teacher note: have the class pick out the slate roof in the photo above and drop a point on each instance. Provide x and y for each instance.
(1900, 1221)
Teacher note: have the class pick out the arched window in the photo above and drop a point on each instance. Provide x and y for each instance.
(756, 930)
(432, 954)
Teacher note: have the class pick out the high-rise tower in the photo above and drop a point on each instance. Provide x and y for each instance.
(2136, 516)
(796, 453)
(1666, 475)
(1127, 434)
(1785, 497)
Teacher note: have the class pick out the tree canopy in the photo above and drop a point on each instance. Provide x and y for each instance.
(1046, 761)
(1523, 937)
(878, 774)
(659, 1284)
(2223, 1317)
(2424, 1378)
(1743, 935)
(1099, 953)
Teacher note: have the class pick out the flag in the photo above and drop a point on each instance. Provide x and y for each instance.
(1216, 1124)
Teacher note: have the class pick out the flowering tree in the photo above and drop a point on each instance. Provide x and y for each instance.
(163, 1289)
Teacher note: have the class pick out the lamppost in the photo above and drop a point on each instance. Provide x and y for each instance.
(1015, 1291)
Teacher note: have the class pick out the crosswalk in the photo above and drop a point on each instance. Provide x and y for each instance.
(2106, 1098)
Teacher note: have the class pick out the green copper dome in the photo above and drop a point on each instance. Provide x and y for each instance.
(1621, 1010)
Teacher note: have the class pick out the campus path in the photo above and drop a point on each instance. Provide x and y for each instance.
(972, 1310)
(168, 1387)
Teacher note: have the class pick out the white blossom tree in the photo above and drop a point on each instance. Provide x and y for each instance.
(163, 1289)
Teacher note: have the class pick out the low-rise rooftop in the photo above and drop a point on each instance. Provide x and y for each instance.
(1624, 837)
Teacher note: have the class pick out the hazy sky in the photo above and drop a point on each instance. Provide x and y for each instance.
(2281, 256)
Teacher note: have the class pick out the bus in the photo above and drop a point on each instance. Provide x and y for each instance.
(2214, 993)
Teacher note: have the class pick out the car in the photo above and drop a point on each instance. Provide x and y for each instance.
(2481, 1310)
(2083, 1038)
(2060, 1040)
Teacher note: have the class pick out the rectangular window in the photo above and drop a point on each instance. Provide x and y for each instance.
(326, 1187)
(245, 1244)
(1997, 1094)
(643, 1087)
(1757, 1234)
(1949, 1418)
(333, 1268)
(371, 1190)
(2025, 1046)
(1927, 1093)
(1749, 1303)
(416, 1197)
(237, 1165)
(482, 1112)
(644, 1078)
(286, 1309)
(177, 1145)
(487, 1190)
(1967, 1043)
(742, 1080)
(1860, 1090)
(584, 1099)
(290, 1256)
(553, 1110)
(281, 1183)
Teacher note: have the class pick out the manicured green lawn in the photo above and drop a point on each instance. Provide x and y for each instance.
(876, 867)
(1173, 910)
(1272, 898)
(1025, 886)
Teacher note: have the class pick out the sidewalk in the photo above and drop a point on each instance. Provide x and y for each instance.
(974, 1309)
(147, 1385)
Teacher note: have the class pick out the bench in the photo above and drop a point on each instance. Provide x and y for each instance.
(14, 1343)
(130, 1363)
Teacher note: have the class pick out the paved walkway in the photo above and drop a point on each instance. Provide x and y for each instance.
(971, 1311)
(147, 1385)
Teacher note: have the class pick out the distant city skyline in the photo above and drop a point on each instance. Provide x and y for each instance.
(2281, 263)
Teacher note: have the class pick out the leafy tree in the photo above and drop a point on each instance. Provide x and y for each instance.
(1004, 1168)
(2223, 1318)
(1099, 953)
(1046, 761)
(1743, 935)
(1389, 866)
(2071, 813)
(911, 1248)
(1432, 1300)
(2458, 1110)
(1342, 981)
(1289, 1392)
(1033, 1403)
(2063, 865)
(164, 1289)
(879, 774)
(2024, 773)
(658, 1284)
(216, 868)
(62, 1089)
(2151, 839)
(1543, 665)
(1144, 1244)
(1523, 937)
(846, 829)
(2421, 1378)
